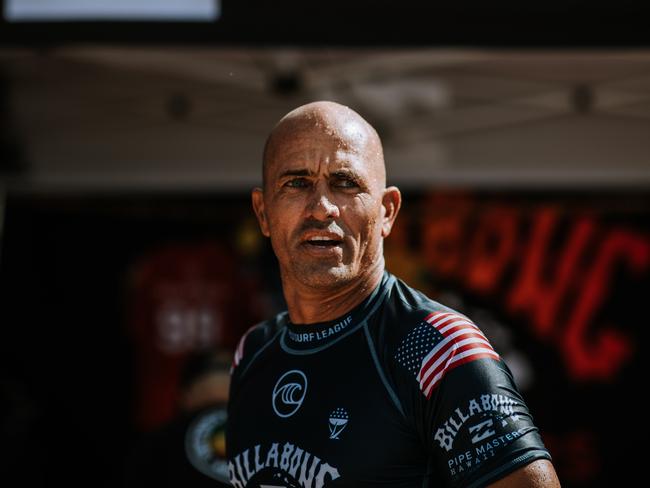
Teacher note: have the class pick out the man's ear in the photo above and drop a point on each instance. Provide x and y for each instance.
(391, 201)
(257, 197)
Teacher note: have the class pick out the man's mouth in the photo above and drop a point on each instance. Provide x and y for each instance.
(323, 242)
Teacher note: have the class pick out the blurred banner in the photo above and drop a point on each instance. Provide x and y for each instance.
(184, 299)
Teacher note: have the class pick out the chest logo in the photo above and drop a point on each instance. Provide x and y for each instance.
(289, 393)
(338, 421)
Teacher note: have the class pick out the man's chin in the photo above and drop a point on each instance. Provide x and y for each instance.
(323, 276)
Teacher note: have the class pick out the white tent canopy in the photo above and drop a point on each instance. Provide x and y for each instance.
(190, 118)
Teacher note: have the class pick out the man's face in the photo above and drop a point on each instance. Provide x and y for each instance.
(324, 205)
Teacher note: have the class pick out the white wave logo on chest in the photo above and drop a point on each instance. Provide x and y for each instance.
(289, 393)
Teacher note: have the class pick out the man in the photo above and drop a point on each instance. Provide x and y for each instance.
(364, 381)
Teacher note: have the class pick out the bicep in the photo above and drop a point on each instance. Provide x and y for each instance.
(538, 474)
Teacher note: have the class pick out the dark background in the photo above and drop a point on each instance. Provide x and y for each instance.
(68, 361)
(380, 22)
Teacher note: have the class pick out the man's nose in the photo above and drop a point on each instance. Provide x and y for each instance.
(322, 206)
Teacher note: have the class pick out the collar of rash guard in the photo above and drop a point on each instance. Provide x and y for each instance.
(305, 337)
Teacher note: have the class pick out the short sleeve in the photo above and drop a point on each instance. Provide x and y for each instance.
(476, 424)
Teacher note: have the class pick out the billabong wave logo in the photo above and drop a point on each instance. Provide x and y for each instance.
(289, 393)
(485, 413)
(338, 421)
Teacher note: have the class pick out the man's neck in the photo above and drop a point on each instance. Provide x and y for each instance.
(309, 305)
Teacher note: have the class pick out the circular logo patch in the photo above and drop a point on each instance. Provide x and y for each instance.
(289, 393)
(205, 444)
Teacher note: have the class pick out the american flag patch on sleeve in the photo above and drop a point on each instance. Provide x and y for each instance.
(441, 342)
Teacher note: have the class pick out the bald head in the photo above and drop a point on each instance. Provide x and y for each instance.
(325, 205)
(326, 122)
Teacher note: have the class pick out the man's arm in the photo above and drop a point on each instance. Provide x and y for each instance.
(538, 474)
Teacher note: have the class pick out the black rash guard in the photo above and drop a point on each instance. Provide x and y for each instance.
(401, 391)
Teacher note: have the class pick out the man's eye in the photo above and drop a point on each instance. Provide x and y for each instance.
(345, 183)
(297, 183)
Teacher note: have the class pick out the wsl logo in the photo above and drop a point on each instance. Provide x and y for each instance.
(289, 393)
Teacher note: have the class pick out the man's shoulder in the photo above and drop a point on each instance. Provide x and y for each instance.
(427, 339)
(255, 339)
(411, 321)
(407, 308)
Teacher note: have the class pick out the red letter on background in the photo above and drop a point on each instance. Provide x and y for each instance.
(493, 246)
(443, 236)
(602, 357)
(545, 279)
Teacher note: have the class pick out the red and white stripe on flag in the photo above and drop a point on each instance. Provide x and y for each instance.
(462, 342)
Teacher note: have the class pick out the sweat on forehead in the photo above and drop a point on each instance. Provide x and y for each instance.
(329, 119)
